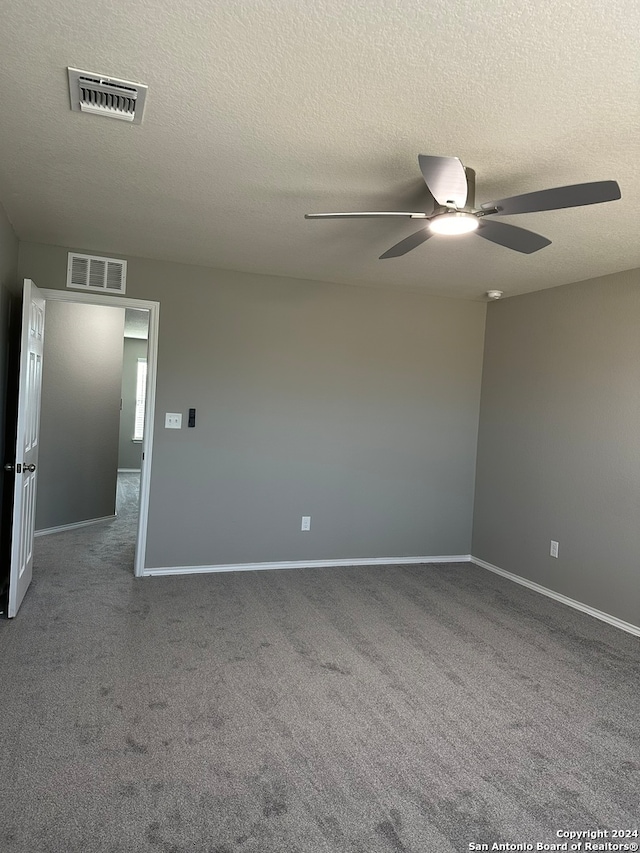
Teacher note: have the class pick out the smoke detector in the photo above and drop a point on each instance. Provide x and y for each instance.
(106, 96)
(494, 294)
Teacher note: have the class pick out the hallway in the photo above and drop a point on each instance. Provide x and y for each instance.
(75, 557)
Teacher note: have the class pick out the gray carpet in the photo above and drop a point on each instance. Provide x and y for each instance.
(369, 710)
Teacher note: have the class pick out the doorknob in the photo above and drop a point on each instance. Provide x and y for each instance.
(9, 467)
(30, 468)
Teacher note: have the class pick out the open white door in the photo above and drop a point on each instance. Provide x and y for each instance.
(27, 444)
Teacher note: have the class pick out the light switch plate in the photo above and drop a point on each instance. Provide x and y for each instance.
(173, 420)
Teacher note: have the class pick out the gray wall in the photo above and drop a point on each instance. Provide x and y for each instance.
(80, 416)
(8, 293)
(130, 452)
(356, 406)
(559, 441)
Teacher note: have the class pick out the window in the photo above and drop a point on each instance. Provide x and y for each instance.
(141, 392)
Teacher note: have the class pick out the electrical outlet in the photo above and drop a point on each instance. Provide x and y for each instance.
(554, 548)
(306, 522)
(172, 420)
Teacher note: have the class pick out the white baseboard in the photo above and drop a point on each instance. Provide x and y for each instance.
(75, 525)
(563, 599)
(302, 564)
(128, 470)
(396, 561)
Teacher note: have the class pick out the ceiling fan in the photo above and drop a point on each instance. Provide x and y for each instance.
(453, 187)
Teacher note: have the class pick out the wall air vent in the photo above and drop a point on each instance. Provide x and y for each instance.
(106, 96)
(87, 272)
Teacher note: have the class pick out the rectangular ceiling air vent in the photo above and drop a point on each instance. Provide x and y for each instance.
(106, 96)
(88, 272)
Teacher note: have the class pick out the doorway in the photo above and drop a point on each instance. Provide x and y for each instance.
(141, 440)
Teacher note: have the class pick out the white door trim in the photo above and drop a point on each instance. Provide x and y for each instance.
(152, 359)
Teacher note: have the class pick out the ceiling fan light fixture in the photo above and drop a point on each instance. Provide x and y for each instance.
(452, 187)
(453, 223)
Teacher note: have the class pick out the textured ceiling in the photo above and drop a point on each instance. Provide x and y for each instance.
(262, 110)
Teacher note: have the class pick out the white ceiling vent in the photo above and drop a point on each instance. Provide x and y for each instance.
(88, 272)
(106, 96)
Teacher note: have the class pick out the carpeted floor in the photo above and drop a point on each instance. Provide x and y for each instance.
(369, 710)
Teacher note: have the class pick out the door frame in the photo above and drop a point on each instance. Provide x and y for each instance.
(150, 401)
